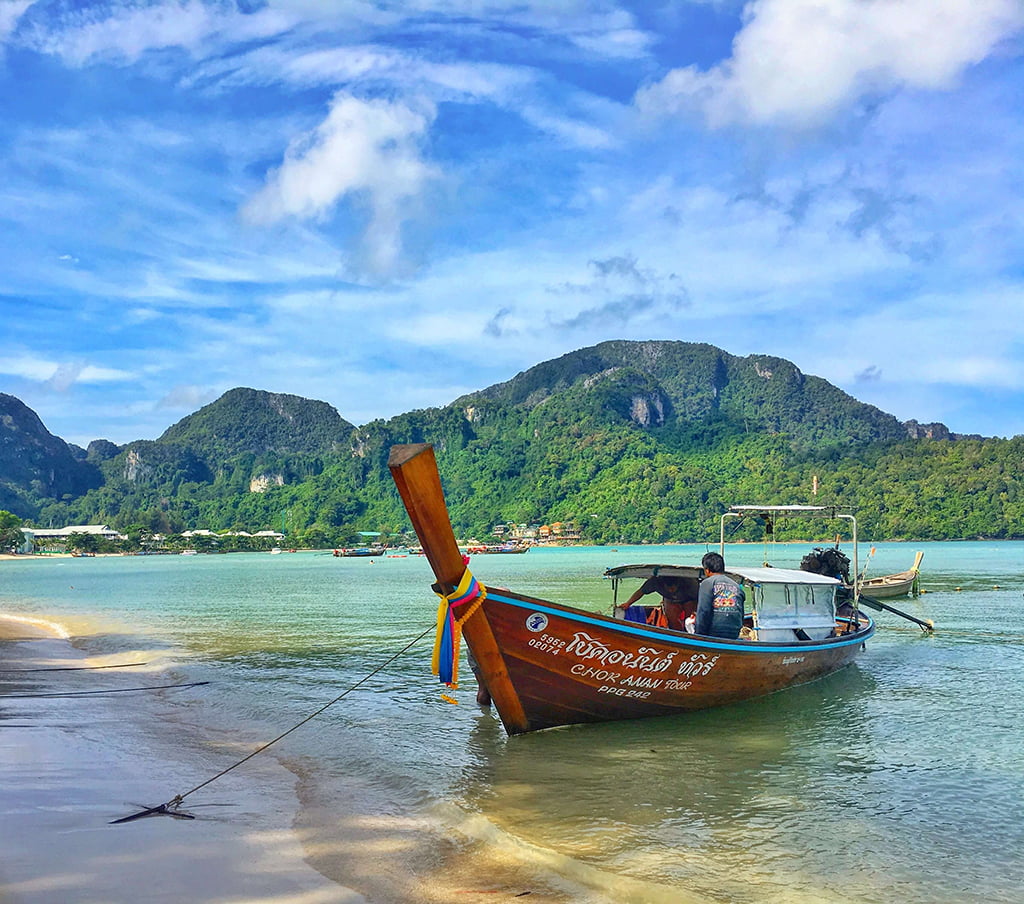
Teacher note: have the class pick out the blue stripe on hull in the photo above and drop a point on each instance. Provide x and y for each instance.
(690, 641)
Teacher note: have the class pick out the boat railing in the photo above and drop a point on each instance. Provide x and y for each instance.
(772, 513)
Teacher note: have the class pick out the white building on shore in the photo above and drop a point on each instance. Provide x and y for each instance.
(55, 536)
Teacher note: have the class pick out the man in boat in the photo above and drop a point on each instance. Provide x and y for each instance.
(719, 601)
(678, 600)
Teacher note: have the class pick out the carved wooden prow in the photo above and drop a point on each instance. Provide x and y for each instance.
(414, 470)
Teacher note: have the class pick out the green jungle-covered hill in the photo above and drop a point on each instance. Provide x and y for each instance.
(629, 441)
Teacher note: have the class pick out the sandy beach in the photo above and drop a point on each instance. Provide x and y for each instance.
(69, 765)
(66, 765)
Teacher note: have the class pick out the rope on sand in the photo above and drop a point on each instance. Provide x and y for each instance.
(170, 808)
(76, 668)
(118, 690)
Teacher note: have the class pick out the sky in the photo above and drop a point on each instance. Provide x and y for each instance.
(386, 205)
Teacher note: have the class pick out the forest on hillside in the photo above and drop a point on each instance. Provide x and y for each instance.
(615, 488)
(631, 442)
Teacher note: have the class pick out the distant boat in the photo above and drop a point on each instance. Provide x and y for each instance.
(547, 664)
(890, 586)
(360, 552)
(498, 549)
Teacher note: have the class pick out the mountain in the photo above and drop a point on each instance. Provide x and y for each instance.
(253, 421)
(674, 384)
(631, 441)
(34, 463)
(248, 440)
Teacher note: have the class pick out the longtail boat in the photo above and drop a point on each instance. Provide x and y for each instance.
(547, 665)
(890, 586)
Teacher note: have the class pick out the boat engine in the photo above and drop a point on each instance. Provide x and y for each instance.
(831, 561)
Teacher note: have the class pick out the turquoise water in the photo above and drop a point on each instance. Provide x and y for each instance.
(900, 778)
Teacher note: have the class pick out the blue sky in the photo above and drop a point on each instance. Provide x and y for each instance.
(386, 205)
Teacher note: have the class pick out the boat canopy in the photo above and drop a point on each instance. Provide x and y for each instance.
(772, 513)
(824, 511)
(747, 574)
(785, 604)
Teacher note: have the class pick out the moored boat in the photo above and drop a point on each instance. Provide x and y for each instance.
(547, 664)
(497, 549)
(890, 586)
(360, 552)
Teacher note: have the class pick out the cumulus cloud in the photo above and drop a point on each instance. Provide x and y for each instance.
(367, 150)
(796, 62)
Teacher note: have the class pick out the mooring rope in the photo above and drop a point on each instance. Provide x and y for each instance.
(1002, 637)
(170, 807)
(77, 668)
(117, 690)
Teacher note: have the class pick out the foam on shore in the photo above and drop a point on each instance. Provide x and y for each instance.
(21, 627)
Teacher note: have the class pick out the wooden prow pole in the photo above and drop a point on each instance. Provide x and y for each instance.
(414, 470)
(926, 624)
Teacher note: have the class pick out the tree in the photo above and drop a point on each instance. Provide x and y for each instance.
(83, 542)
(11, 537)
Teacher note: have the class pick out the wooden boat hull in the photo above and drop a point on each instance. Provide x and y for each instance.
(890, 586)
(546, 665)
(569, 666)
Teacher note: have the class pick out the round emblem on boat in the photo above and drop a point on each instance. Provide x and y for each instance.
(536, 622)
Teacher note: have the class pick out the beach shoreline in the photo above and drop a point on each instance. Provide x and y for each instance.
(69, 766)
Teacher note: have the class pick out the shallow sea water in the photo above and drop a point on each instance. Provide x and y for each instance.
(899, 779)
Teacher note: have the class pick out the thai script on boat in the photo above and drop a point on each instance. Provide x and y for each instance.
(790, 660)
(646, 659)
(697, 665)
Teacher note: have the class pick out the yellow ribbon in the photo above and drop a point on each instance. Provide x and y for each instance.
(458, 597)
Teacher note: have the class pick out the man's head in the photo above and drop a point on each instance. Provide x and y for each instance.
(713, 563)
(669, 586)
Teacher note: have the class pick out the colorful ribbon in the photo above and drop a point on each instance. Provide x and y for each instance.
(445, 662)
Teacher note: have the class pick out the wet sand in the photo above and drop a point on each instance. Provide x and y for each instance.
(69, 765)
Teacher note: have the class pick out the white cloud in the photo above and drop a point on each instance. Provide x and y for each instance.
(362, 150)
(796, 62)
(574, 132)
(60, 375)
(339, 65)
(613, 35)
(10, 12)
(130, 32)
(27, 367)
(86, 35)
(187, 397)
